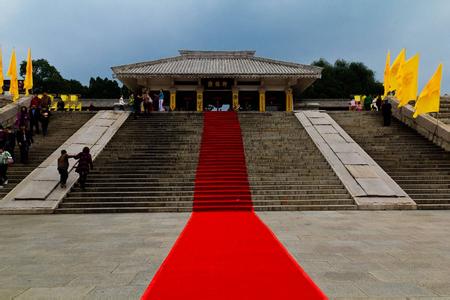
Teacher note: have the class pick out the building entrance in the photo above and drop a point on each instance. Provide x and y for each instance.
(218, 100)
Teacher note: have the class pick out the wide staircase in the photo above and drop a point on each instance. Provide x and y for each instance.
(444, 110)
(420, 167)
(286, 170)
(62, 125)
(148, 166)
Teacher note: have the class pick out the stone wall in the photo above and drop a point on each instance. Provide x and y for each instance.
(8, 112)
(431, 128)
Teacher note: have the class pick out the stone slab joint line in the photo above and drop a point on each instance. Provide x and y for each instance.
(369, 185)
(39, 191)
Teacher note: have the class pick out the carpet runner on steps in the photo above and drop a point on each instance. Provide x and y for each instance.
(225, 251)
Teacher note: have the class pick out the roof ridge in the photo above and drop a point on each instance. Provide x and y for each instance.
(216, 53)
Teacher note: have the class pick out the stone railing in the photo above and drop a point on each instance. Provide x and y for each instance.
(8, 112)
(428, 126)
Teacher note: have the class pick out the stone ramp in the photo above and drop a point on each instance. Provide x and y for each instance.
(420, 167)
(62, 125)
(149, 166)
(366, 182)
(286, 171)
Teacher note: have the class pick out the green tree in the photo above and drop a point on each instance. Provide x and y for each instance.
(342, 80)
(46, 78)
(103, 88)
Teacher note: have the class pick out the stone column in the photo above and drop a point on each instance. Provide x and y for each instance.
(262, 100)
(173, 99)
(289, 100)
(200, 99)
(235, 92)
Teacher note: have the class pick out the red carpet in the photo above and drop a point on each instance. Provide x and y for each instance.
(225, 251)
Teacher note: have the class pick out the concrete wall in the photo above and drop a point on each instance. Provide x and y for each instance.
(426, 125)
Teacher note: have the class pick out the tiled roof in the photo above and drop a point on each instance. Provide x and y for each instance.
(217, 63)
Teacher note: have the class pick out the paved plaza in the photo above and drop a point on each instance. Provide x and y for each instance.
(350, 255)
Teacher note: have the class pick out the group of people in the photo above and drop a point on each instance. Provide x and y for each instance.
(374, 104)
(29, 121)
(83, 166)
(144, 103)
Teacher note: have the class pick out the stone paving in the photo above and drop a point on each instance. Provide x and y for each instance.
(349, 254)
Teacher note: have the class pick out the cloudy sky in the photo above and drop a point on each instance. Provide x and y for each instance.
(84, 38)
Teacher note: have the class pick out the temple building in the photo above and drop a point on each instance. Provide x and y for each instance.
(195, 80)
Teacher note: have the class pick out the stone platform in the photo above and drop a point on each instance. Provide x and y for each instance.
(395, 255)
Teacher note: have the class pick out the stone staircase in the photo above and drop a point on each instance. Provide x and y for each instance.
(62, 125)
(286, 170)
(444, 110)
(420, 167)
(148, 166)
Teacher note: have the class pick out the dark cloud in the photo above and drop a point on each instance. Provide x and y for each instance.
(84, 38)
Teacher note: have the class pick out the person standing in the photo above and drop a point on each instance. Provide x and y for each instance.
(63, 168)
(35, 115)
(10, 141)
(137, 105)
(46, 102)
(24, 140)
(386, 110)
(131, 102)
(84, 166)
(35, 101)
(367, 103)
(161, 100)
(45, 118)
(5, 160)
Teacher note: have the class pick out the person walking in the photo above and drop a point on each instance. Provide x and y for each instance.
(63, 168)
(386, 110)
(84, 166)
(35, 115)
(45, 119)
(23, 118)
(24, 140)
(35, 101)
(5, 160)
(161, 100)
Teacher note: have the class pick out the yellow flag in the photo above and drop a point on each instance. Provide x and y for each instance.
(28, 82)
(408, 81)
(387, 73)
(1, 72)
(429, 99)
(12, 73)
(395, 68)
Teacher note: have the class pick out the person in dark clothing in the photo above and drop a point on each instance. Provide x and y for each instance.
(34, 119)
(137, 105)
(386, 110)
(10, 141)
(60, 105)
(379, 101)
(45, 118)
(3, 136)
(24, 140)
(63, 167)
(46, 101)
(23, 118)
(84, 166)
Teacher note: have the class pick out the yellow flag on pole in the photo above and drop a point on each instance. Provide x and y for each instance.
(395, 68)
(387, 73)
(429, 98)
(1, 72)
(12, 73)
(28, 82)
(408, 81)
